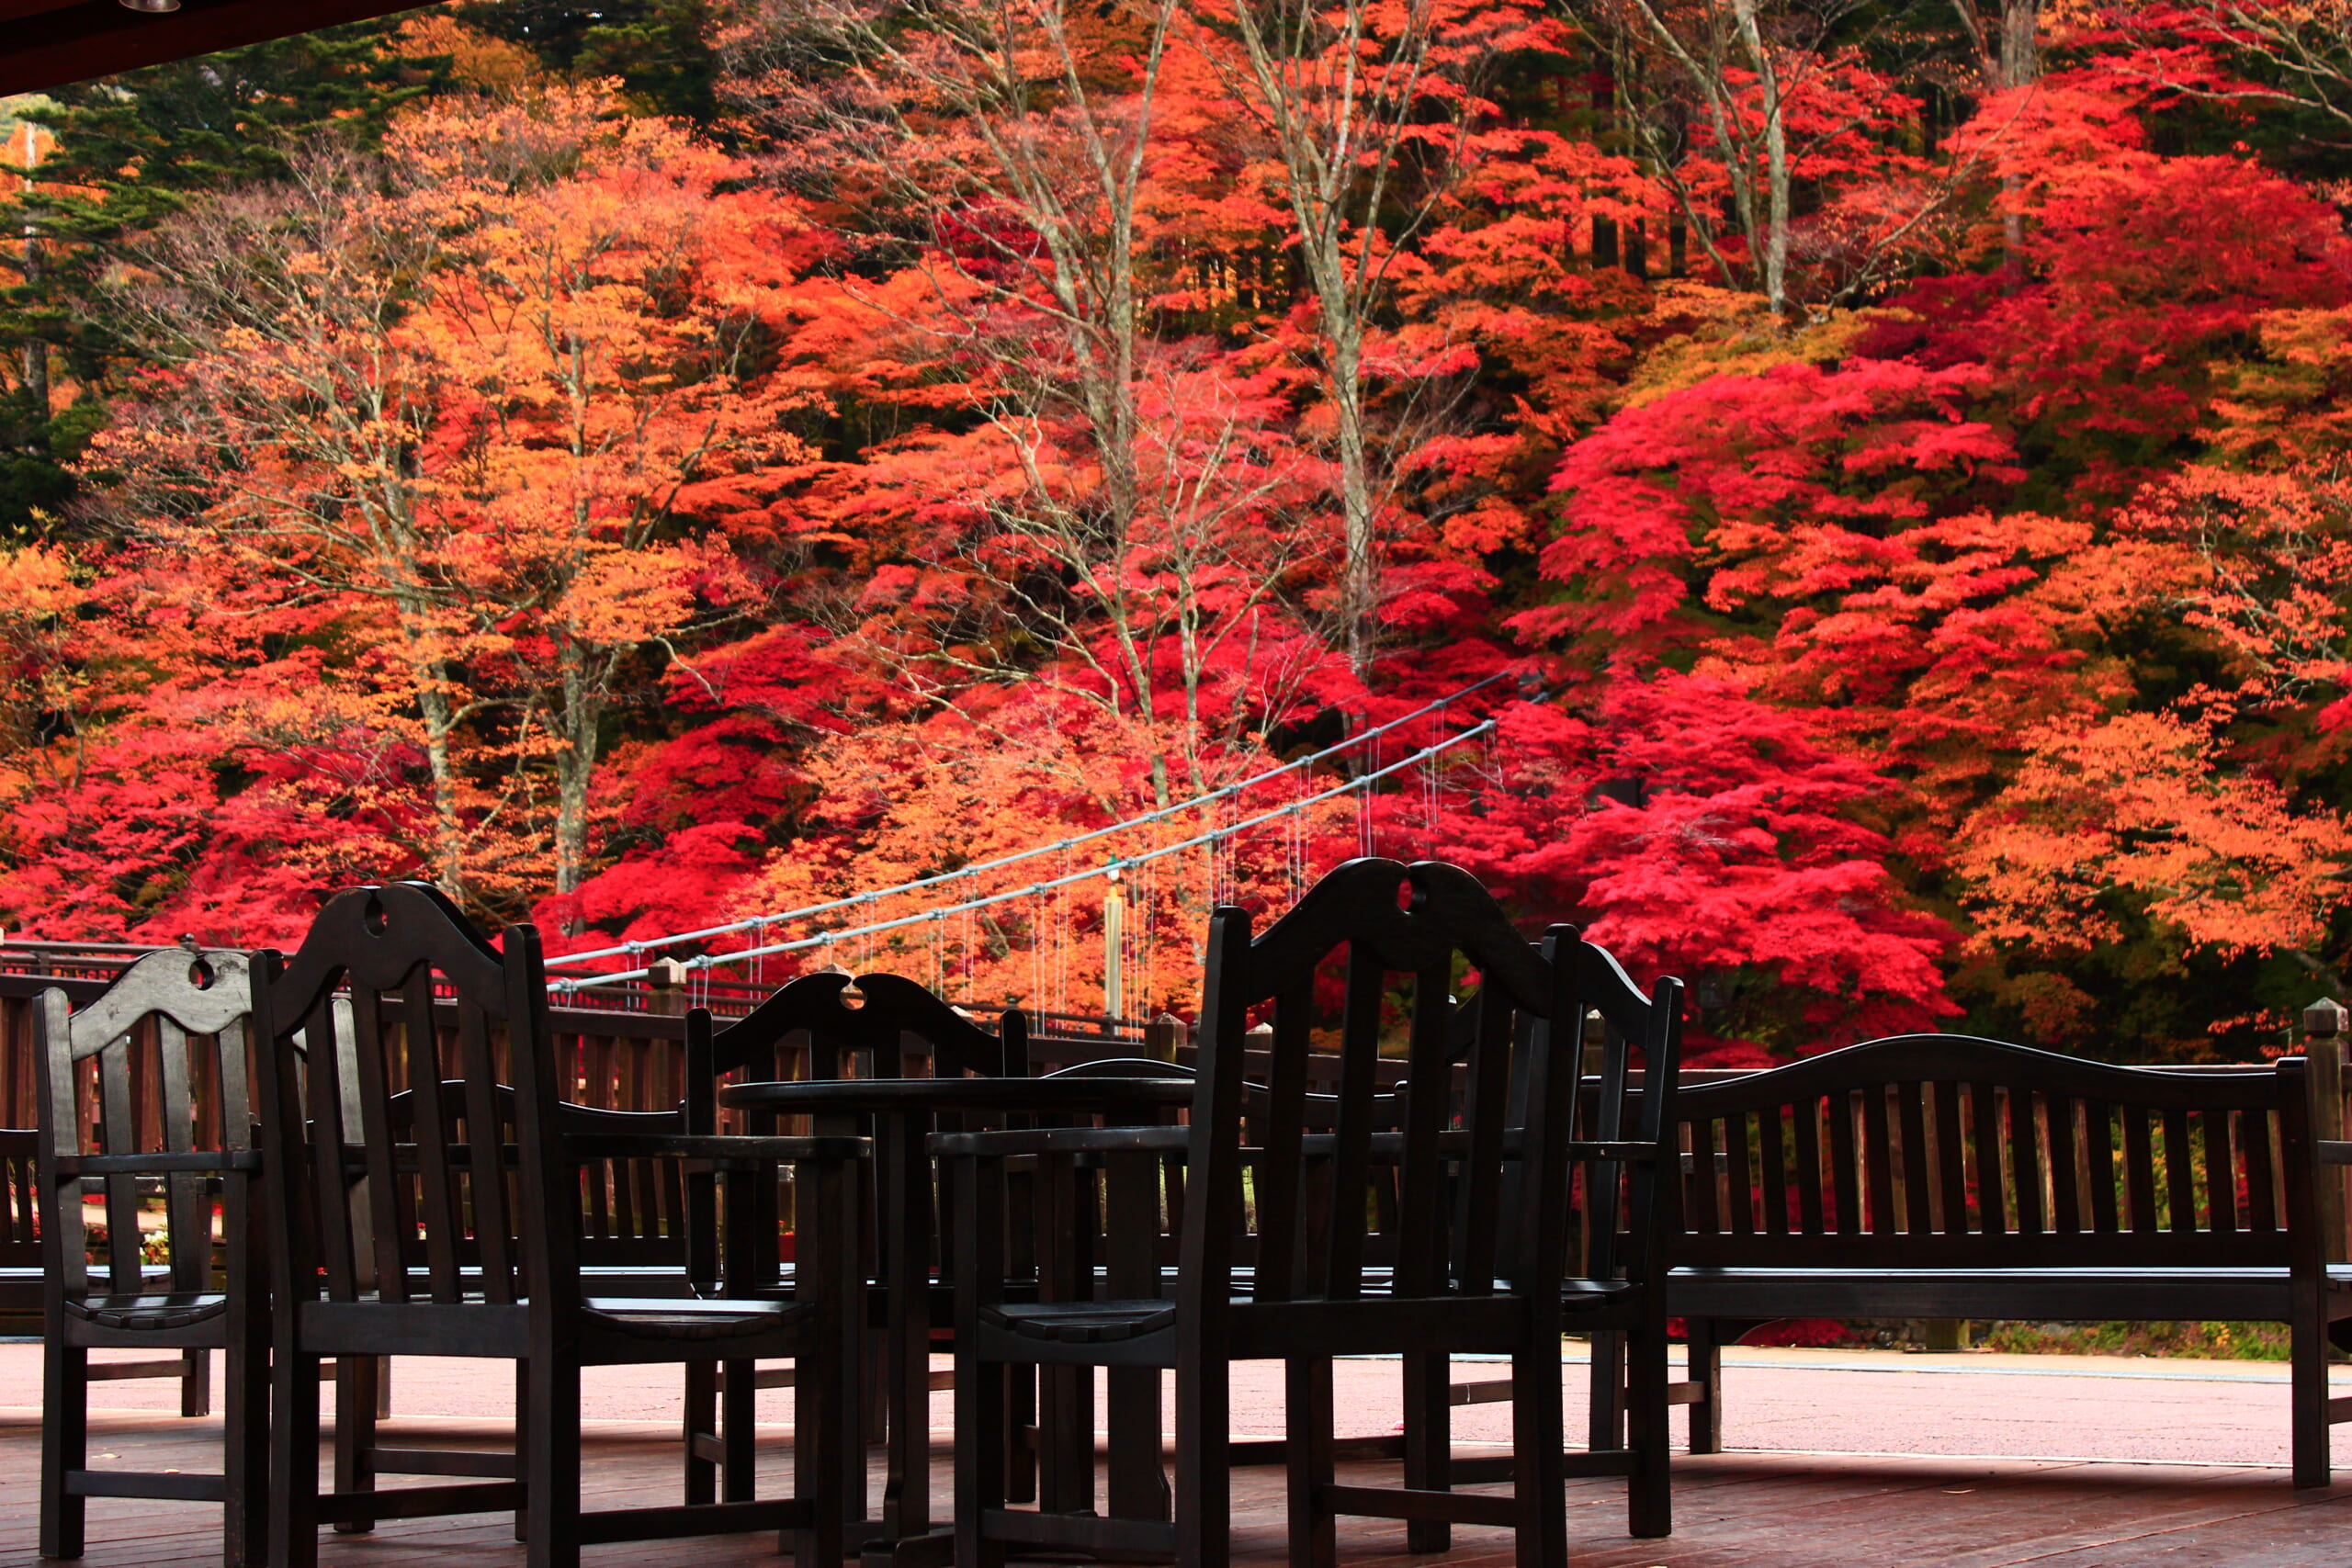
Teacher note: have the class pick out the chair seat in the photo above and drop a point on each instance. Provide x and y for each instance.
(1590, 1295)
(1109, 1322)
(684, 1318)
(1081, 1322)
(171, 1310)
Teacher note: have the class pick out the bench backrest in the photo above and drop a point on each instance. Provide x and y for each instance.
(1946, 1151)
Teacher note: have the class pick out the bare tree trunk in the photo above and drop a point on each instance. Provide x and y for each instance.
(576, 733)
(1360, 575)
(1773, 268)
(448, 823)
(1339, 114)
(2021, 62)
(36, 351)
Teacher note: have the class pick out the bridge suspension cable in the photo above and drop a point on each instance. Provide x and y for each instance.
(761, 923)
(715, 960)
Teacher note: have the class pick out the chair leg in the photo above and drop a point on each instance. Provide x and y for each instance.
(701, 1422)
(979, 1479)
(64, 1442)
(523, 1444)
(860, 1425)
(355, 1380)
(1429, 1443)
(1020, 1434)
(1539, 1475)
(823, 1393)
(551, 1480)
(1203, 1463)
(2309, 1396)
(1607, 1421)
(1314, 1537)
(195, 1382)
(1705, 1362)
(244, 1402)
(738, 1428)
(1137, 1487)
(1649, 1502)
(293, 1492)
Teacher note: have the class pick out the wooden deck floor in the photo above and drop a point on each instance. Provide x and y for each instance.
(1745, 1510)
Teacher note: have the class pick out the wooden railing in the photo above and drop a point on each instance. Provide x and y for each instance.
(628, 1041)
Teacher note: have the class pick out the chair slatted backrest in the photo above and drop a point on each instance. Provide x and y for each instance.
(174, 1025)
(1946, 1150)
(444, 1186)
(878, 1022)
(1351, 948)
(632, 1211)
(1618, 1206)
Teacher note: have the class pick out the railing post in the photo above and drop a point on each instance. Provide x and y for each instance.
(2324, 1026)
(1161, 1036)
(665, 980)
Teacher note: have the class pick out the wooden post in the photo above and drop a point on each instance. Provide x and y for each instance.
(1114, 911)
(1161, 1036)
(665, 979)
(1946, 1334)
(2326, 1024)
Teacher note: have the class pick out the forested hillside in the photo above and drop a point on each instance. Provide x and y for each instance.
(648, 467)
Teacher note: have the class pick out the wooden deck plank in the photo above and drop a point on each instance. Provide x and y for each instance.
(1734, 1510)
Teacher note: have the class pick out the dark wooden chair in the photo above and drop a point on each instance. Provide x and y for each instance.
(639, 1237)
(828, 1025)
(1947, 1176)
(471, 1242)
(1484, 1184)
(187, 1013)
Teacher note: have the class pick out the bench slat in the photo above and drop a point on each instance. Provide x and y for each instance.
(1842, 1168)
(2139, 1168)
(2180, 1172)
(1807, 1119)
(2220, 1172)
(2099, 1148)
(2065, 1178)
(2262, 1213)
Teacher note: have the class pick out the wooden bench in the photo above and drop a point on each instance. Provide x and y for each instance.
(1943, 1175)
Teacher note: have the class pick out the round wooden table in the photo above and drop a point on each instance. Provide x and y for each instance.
(903, 1113)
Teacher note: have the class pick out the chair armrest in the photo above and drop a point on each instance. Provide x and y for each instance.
(715, 1147)
(203, 1162)
(1063, 1140)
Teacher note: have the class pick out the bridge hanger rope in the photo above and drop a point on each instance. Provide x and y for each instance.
(715, 960)
(756, 922)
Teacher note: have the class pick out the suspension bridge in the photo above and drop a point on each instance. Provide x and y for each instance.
(960, 916)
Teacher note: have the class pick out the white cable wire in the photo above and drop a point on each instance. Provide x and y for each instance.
(710, 960)
(643, 944)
